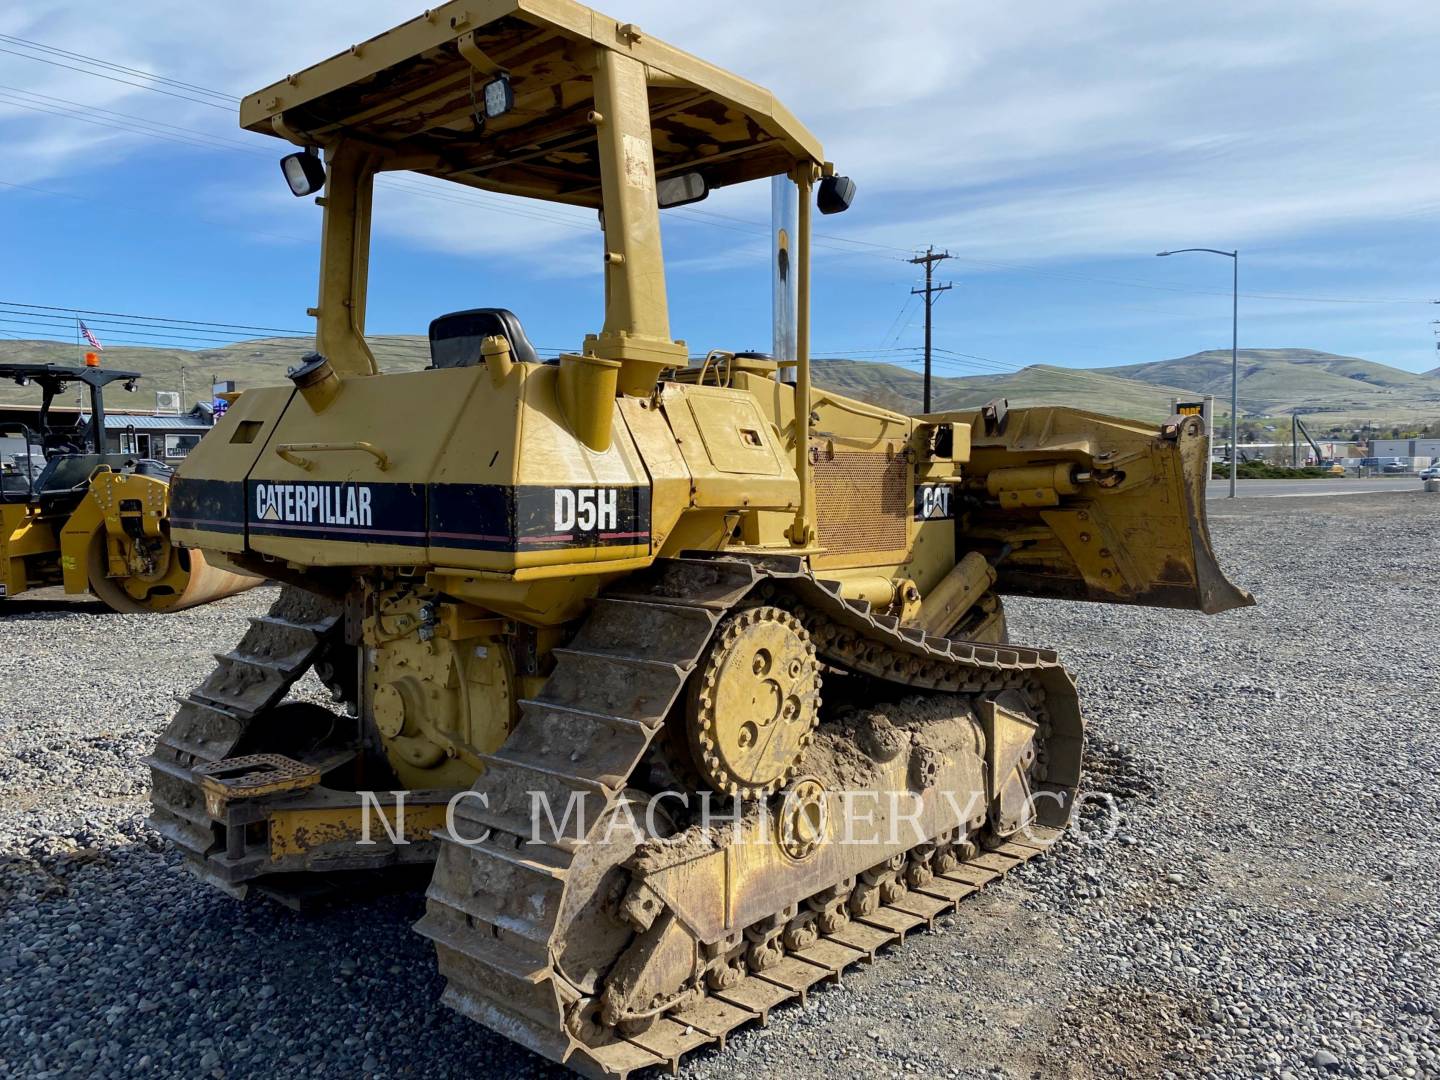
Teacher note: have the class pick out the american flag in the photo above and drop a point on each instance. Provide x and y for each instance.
(91, 338)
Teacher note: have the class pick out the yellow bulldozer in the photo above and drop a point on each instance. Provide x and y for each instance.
(76, 515)
(691, 680)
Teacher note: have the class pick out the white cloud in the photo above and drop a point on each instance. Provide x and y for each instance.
(549, 239)
(1058, 129)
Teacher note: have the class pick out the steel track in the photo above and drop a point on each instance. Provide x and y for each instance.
(497, 910)
(247, 682)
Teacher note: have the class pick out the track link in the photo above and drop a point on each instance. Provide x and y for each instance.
(498, 910)
(247, 682)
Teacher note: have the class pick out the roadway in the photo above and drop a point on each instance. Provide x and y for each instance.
(1346, 485)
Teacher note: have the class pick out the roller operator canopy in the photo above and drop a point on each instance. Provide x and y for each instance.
(57, 375)
(422, 94)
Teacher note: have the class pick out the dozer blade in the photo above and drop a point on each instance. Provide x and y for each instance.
(1084, 507)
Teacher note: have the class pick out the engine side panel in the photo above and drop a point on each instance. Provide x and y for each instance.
(431, 468)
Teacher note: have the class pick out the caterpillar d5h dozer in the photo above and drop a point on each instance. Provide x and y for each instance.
(550, 592)
(72, 514)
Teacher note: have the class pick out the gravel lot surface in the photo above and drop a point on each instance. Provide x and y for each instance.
(1263, 901)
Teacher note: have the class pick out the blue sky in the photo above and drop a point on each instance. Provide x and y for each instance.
(1051, 147)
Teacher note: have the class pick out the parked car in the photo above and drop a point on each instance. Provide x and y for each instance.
(1395, 465)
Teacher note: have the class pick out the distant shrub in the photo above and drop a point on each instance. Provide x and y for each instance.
(1259, 470)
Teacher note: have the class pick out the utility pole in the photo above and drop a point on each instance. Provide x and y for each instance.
(931, 290)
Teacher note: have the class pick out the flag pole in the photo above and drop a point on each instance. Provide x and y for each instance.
(80, 362)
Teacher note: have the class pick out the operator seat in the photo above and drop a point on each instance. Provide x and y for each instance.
(455, 338)
(14, 486)
(64, 440)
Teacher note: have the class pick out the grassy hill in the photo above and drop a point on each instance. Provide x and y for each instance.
(1276, 381)
(1272, 381)
(1340, 389)
(1039, 384)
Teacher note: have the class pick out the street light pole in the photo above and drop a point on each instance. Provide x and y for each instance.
(1234, 367)
(1234, 257)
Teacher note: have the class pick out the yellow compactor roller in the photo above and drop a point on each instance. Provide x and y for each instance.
(73, 514)
(576, 609)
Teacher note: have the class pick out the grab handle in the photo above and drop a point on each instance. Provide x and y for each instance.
(291, 452)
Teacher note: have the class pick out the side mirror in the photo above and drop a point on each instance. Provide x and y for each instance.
(680, 190)
(835, 194)
(304, 172)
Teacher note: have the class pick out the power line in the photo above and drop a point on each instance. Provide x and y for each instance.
(198, 335)
(147, 318)
(114, 66)
(80, 110)
(163, 322)
(115, 79)
(1124, 283)
(896, 328)
(384, 351)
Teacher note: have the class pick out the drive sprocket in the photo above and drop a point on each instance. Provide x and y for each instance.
(754, 702)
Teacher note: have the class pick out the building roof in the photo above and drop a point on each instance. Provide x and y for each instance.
(125, 421)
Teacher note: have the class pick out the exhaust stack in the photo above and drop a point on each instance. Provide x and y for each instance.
(783, 212)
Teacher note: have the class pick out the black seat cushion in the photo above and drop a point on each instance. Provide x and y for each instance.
(14, 487)
(455, 338)
(64, 441)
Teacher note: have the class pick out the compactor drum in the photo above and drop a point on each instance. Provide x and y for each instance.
(73, 514)
(692, 696)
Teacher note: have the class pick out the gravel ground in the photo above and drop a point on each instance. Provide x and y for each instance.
(1261, 899)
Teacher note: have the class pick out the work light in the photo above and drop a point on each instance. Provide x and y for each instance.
(499, 97)
(304, 172)
(835, 194)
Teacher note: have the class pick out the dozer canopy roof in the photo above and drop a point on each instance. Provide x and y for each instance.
(417, 92)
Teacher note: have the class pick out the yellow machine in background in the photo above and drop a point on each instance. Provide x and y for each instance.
(72, 514)
(557, 590)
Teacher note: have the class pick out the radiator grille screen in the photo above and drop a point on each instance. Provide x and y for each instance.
(861, 502)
